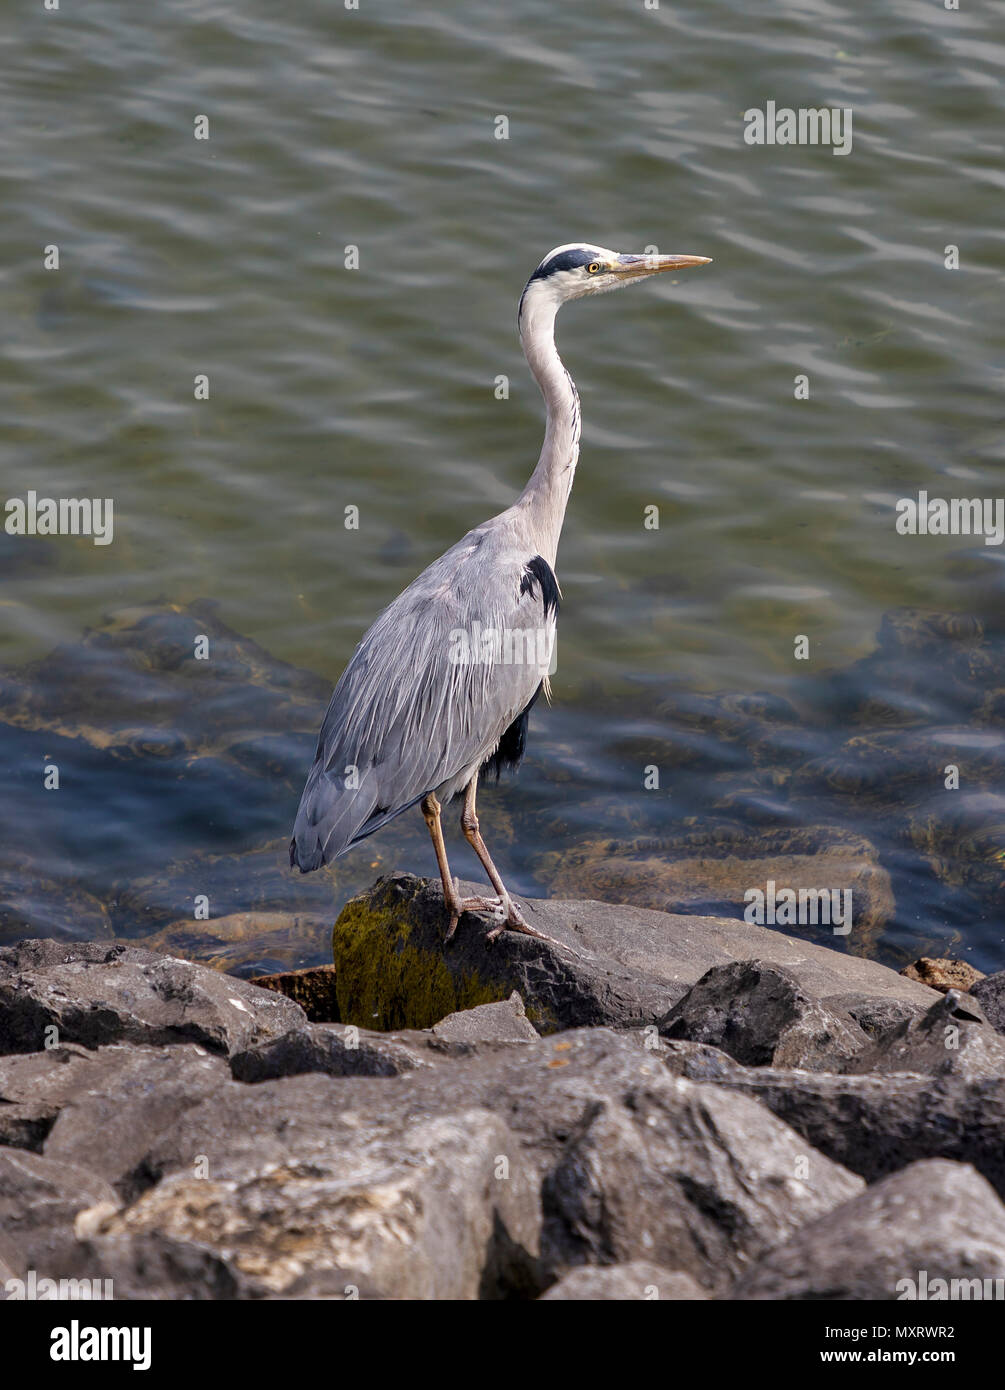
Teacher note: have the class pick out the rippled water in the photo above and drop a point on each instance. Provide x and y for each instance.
(374, 388)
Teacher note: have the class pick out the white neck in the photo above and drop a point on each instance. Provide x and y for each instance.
(547, 493)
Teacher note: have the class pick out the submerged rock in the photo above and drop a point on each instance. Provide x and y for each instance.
(709, 872)
(240, 943)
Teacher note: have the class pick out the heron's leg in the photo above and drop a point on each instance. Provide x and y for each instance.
(514, 918)
(451, 896)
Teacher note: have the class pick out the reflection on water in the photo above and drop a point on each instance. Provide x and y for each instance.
(376, 388)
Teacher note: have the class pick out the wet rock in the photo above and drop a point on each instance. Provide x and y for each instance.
(708, 872)
(506, 1021)
(760, 1016)
(313, 989)
(96, 994)
(952, 1038)
(394, 970)
(944, 974)
(638, 1280)
(875, 1125)
(40, 1200)
(416, 1210)
(990, 994)
(932, 1221)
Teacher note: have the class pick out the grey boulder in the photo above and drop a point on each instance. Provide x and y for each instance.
(932, 1221)
(94, 994)
(761, 1016)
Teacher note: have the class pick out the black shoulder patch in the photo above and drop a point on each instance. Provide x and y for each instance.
(540, 571)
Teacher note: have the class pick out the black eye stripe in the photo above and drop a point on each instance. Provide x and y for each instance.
(565, 260)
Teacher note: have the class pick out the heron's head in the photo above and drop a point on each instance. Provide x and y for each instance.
(579, 269)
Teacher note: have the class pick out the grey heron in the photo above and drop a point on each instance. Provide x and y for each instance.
(433, 696)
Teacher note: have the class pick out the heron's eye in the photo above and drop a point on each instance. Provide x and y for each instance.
(594, 267)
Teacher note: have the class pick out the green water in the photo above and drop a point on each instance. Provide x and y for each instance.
(375, 387)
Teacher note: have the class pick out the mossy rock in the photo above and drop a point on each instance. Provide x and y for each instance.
(394, 970)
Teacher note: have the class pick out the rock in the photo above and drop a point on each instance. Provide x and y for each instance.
(875, 1125)
(313, 989)
(990, 994)
(760, 1016)
(952, 1038)
(151, 1265)
(625, 1162)
(943, 974)
(95, 994)
(876, 1016)
(328, 1048)
(103, 1109)
(699, 1061)
(708, 872)
(419, 1210)
(40, 1200)
(394, 971)
(122, 1099)
(638, 1280)
(503, 1022)
(932, 1221)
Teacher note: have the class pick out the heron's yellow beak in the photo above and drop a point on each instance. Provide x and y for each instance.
(627, 267)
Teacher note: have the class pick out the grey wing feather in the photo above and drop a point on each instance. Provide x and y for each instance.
(407, 716)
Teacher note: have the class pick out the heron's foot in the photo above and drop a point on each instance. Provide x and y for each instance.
(495, 907)
(514, 920)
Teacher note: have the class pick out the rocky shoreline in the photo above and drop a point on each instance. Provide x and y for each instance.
(685, 1108)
